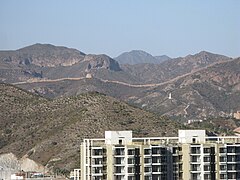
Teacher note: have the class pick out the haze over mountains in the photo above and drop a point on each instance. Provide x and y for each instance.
(199, 83)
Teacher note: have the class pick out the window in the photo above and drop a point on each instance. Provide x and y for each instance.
(147, 160)
(195, 150)
(155, 150)
(147, 178)
(223, 159)
(131, 152)
(206, 159)
(119, 169)
(119, 160)
(119, 151)
(156, 160)
(131, 178)
(223, 167)
(98, 161)
(207, 168)
(223, 176)
(195, 176)
(97, 152)
(195, 167)
(222, 150)
(130, 160)
(207, 176)
(195, 158)
(131, 170)
(206, 150)
(147, 151)
(147, 169)
(120, 141)
(231, 149)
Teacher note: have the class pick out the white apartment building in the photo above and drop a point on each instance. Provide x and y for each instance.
(190, 156)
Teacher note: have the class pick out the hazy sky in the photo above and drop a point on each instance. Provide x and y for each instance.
(171, 27)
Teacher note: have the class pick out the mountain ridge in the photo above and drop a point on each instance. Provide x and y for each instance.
(140, 57)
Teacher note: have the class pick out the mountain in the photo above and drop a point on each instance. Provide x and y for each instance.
(44, 61)
(50, 131)
(157, 73)
(46, 55)
(162, 58)
(210, 91)
(144, 85)
(139, 57)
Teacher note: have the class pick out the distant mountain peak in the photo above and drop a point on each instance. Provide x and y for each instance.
(101, 61)
(138, 57)
(46, 55)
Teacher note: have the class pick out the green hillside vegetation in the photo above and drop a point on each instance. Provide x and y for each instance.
(50, 131)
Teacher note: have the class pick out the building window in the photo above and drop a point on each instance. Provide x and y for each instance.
(131, 170)
(206, 159)
(147, 160)
(223, 159)
(195, 159)
(156, 160)
(223, 176)
(119, 160)
(222, 150)
(97, 152)
(207, 177)
(223, 167)
(147, 178)
(156, 150)
(131, 178)
(195, 150)
(147, 169)
(131, 152)
(147, 151)
(130, 160)
(230, 149)
(195, 167)
(206, 150)
(207, 168)
(195, 176)
(119, 151)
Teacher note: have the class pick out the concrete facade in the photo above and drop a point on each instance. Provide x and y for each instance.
(191, 155)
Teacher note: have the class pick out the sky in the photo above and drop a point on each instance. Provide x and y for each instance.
(171, 27)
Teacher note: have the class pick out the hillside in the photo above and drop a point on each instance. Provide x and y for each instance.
(144, 85)
(45, 61)
(46, 55)
(167, 70)
(211, 91)
(50, 131)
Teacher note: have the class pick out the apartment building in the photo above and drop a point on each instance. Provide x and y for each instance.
(191, 155)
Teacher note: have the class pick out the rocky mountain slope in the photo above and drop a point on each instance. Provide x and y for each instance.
(44, 61)
(156, 73)
(211, 91)
(45, 55)
(144, 85)
(140, 57)
(50, 131)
